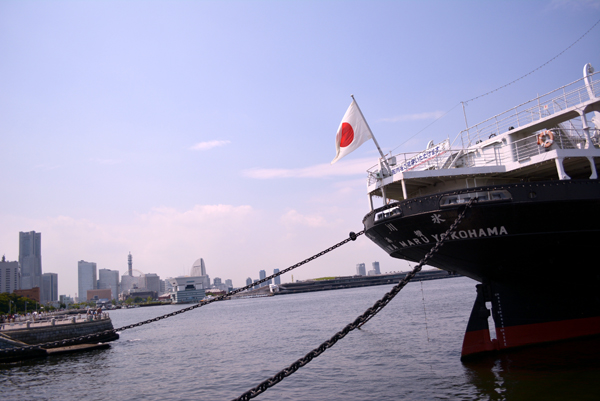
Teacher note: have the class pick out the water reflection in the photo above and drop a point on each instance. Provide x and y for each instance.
(562, 371)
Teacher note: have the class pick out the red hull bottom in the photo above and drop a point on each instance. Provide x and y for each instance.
(479, 341)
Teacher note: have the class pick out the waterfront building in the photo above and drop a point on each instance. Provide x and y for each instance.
(30, 259)
(49, 287)
(198, 268)
(218, 284)
(152, 282)
(187, 289)
(32, 293)
(128, 282)
(63, 299)
(361, 269)
(229, 285)
(278, 278)
(376, 268)
(248, 281)
(168, 285)
(86, 278)
(130, 264)
(262, 274)
(96, 294)
(142, 293)
(10, 276)
(109, 279)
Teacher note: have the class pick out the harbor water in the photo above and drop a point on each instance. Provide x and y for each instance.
(409, 351)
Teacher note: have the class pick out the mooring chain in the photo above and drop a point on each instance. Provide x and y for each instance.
(362, 319)
(92, 337)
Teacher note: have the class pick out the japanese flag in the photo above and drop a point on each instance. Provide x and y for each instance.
(352, 133)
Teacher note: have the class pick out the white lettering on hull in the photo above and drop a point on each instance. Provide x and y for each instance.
(422, 239)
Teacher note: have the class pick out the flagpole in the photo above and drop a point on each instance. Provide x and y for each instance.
(372, 136)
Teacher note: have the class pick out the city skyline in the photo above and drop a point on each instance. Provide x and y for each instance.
(185, 128)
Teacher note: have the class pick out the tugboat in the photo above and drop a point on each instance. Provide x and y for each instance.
(529, 235)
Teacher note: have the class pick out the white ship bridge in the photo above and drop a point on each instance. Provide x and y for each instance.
(546, 138)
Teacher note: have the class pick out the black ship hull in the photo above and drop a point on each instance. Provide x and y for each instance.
(532, 249)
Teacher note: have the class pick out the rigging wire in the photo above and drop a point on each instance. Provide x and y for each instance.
(540, 67)
(501, 87)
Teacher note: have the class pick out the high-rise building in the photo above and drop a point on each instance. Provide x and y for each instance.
(130, 265)
(198, 268)
(229, 284)
(10, 276)
(129, 282)
(248, 281)
(278, 278)
(361, 269)
(49, 287)
(109, 279)
(262, 274)
(376, 268)
(86, 278)
(152, 282)
(30, 259)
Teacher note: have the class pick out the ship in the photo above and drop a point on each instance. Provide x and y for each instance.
(527, 183)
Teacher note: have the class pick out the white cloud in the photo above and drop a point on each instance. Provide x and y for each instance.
(292, 217)
(432, 115)
(236, 241)
(341, 168)
(209, 145)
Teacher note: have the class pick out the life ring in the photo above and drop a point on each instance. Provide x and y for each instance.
(545, 139)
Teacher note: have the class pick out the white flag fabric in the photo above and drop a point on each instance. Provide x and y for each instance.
(352, 133)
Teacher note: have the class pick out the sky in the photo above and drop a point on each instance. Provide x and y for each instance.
(179, 130)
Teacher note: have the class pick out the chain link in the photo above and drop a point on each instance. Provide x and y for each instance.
(362, 319)
(62, 343)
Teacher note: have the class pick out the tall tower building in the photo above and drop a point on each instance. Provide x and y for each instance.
(130, 264)
(198, 268)
(278, 278)
(109, 279)
(262, 274)
(10, 276)
(361, 269)
(30, 259)
(152, 282)
(86, 278)
(49, 287)
(376, 268)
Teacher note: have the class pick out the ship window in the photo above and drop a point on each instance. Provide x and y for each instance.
(482, 196)
(388, 213)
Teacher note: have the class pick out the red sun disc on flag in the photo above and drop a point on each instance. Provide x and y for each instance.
(347, 135)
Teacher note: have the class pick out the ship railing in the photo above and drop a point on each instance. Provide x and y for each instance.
(567, 135)
(406, 162)
(533, 110)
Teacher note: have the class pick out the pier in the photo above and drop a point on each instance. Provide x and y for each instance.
(28, 332)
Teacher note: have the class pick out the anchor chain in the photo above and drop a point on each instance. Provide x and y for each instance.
(362, 319)
(91, 337)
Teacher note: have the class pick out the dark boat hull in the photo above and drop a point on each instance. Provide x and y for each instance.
(533, 255)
